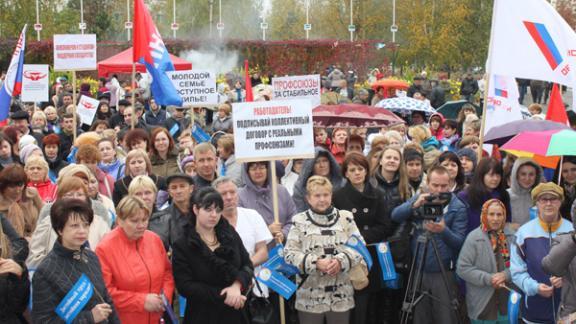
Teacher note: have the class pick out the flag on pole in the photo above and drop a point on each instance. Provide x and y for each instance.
(530, 39)
(12, 85)
(149, 49)
(249, 94)
(502, 102)
(556, 110)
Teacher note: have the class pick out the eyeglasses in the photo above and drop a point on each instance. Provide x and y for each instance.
(546, 200)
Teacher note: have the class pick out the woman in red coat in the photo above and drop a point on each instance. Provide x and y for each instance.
(36, 169)
(135, 266)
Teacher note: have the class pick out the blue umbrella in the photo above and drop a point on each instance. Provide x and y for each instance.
(406, 105)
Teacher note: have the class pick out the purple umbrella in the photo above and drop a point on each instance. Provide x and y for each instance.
(501, 134)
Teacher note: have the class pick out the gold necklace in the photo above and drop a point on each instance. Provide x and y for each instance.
(208, 242)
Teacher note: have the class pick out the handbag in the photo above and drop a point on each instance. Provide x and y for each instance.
(258, 309)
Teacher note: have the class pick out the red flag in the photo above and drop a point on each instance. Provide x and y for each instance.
(556, 110)
(143, 33)
(249, 94)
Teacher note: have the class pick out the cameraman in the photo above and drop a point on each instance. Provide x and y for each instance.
(449, 233)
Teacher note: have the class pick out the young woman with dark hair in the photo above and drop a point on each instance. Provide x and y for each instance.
(487, 183)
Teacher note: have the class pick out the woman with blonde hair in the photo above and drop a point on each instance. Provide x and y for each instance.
(316, 245)
(223, 121)
(227, 165)
(137, 163)
(37, 171)
(135, 266)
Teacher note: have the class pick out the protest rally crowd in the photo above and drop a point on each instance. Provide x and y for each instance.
(161, 225)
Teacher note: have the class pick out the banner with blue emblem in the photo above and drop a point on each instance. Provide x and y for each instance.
(386, 261)
(357, 244)
(513, 307)
(276, 262)
(277, 282)
(75, 299)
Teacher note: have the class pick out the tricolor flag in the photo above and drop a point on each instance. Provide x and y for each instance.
(529, 39)
(12, 85)
(502, 102)
(149, 49)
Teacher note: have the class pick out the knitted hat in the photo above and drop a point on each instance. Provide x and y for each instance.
(547, 187)
(27, 150)
(26, 140)
(186, 160)
(469, 153)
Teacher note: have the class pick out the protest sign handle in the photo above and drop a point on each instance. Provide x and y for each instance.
(483, 124)
(274, 183)
(133, 119)
(74, 103)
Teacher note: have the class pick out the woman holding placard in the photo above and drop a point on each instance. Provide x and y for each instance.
(68, 284)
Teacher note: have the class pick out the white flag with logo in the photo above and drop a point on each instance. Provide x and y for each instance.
(502, 102)
(86, 109)
(531, 40)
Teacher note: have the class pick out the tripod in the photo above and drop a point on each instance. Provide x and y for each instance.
(414, 292)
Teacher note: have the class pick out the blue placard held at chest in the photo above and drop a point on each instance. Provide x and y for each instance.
(75, 299)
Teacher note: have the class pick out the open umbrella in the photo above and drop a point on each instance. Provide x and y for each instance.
(451, 109)
(503, 133)
(390, 83)
(353, 115)
(551, 143)
(406, 105)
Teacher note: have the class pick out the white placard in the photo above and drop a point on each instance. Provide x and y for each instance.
(75, 52)
(86, 109)
(35, 83)
(297, 87)
(273, 130)
(196, 87)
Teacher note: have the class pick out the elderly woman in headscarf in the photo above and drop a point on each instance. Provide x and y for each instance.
(484, 264)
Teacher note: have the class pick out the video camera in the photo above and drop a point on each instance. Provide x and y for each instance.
(433, 208)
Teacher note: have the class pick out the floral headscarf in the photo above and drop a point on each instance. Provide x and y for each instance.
(497, 237)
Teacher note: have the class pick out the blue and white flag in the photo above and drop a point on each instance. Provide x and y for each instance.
(199, 134)
(386, 261)
(357, 244)
(277, 282)
(513, 307)
(276, 262)
(75, 299)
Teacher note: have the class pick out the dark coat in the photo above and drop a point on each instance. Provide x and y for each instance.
(56, 275)
(14, 291)
(121, 187)
(201, 274)
(400, 239)
(372, 218)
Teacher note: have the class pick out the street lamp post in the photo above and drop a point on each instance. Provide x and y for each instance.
(37, 20)
(394, 27)
(263, 26)
(307, 27)
(220, 26)
(82, 24)
(128, 23)
(351, 28)
(174, 24)
(211, 3)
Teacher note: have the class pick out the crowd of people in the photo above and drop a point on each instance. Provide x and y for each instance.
(160, 223)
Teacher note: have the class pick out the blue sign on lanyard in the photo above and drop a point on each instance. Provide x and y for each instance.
(276, 262)
(174, 129)
(357, 244)
(513, 307)
(169, 309)
(277, 282)
(75, 299)
(386, 261)
(199, 134)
